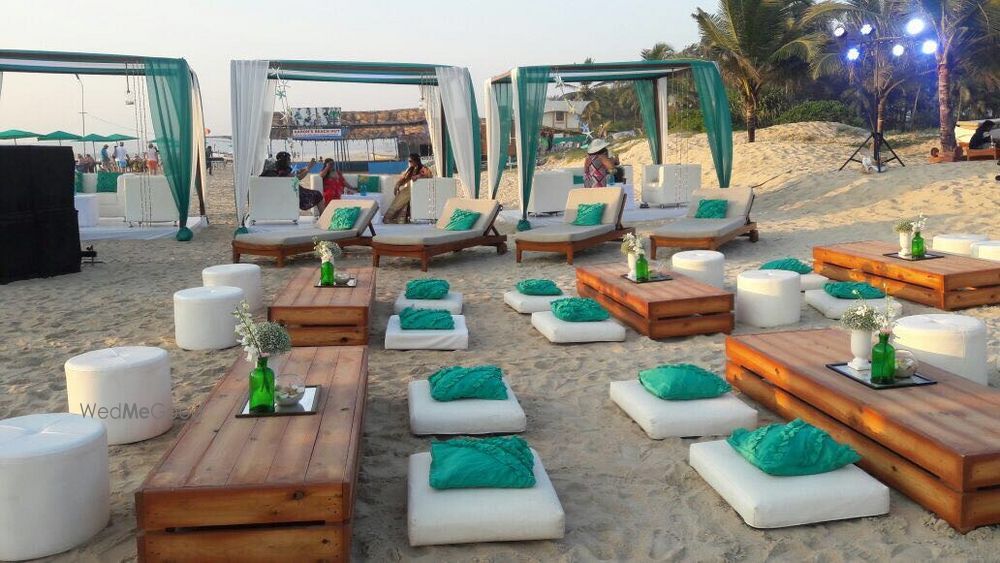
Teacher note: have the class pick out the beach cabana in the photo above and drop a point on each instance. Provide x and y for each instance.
(450, 108)
(174, 102)
(520, 94)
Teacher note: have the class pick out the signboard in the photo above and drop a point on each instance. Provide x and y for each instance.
(314, 117)
(316, 134)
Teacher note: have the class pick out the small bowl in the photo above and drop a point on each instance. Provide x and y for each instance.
(288, 395)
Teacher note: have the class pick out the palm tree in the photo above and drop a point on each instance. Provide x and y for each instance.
(754, 42)
(659, 52)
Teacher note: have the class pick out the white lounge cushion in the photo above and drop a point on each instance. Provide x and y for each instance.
(955, 343)
(465, 416)
(740, 200)
(610, 197)
(398, 339)
(452, 302)
(288, 237)
(813, 280)
(480, 515)
(529, 303)
(766, 501)
(956, 243)
(369, 207)
(691, 228)
(563, 233)
(421, 235)
(661, 419)
(834, 308)
(564, 332)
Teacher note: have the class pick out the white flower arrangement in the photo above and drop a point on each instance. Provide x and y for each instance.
(919, 223)
(260, 340)
(327, 250)
(633, 244)
(867, 317)
(911, 225)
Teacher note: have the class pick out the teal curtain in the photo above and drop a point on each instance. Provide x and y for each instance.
(530, 86)
(168, 83)
(477, 137)
(718, 122)
(644, 92)
(502, 93)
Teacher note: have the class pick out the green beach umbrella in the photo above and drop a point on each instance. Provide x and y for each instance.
(94, 138)
(59, 136)
(15, 134)
(119, 137)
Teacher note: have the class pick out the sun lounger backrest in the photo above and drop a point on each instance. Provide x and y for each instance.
(487, 207)
(610, 197)
(740, 200)
(368, 209)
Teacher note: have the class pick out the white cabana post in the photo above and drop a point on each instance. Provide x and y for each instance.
(493, 141)
(459, 104)
(662, 107)
(432, 112)
(252, 111)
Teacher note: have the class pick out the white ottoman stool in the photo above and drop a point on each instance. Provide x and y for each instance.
(834, 307)
(954, 343)
(766, 298)
(464, 416)
(706, 266)
(986, 249)
(766, 501)
(530, 303)
(812, 280)
(54, 484)
(203, 317)
(956, 243)
(438, 517)
(398, 339)
(664, 419)
(125, 388)
(452, 302)
(243, 276)
(564, 332)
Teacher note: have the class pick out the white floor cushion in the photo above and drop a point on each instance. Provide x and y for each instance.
(529, 303)
(451, 303)
(465, 416)
(813, 280)
(480, 515)
(398, 339)
(766, 501)
(834, 308)
(563, 332)
(664, 419)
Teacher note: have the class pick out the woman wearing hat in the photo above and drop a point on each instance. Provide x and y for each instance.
(598, 165)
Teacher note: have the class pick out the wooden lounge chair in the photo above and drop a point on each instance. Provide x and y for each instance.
(289, 242)
(423, 242)
(569, 238)
(709, 234)
(989, 153)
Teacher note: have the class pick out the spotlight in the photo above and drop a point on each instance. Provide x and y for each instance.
(839, 31)
(929, 47)
(898, 50)
(915, 26)
(866, 29)
(853, 53)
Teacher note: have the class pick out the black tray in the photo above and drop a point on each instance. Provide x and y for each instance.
(927, 256)
(308, 404)
(654, 277)
(341, 285)
(862, 377)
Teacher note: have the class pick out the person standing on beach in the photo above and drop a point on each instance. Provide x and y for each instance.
(208, 159)
(152, 159)
(105, 158)
(121, 157)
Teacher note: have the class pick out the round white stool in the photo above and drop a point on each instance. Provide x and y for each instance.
(707, 266)
(766, 298)
(955, 343)
(986, 249)
(126, 388)
(54, 483)
(956, 243)
(203, 317)
(243, 276)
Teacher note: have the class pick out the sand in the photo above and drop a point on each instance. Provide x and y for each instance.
(626, 497)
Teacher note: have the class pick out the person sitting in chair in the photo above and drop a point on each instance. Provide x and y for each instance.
(399, 209)
(981, 138)
(334, 183)
(598, 165)
(308, 199)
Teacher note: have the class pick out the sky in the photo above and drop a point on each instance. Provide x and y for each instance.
(487, 37)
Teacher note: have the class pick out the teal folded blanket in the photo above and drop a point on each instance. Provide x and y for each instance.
(579, 310)
(790, 264)
(796, 448)
(853, 290)
(107, 182)
(503, 462)
(538, 287)
(425, 319)
(477, 382)
(682, 382)
(429, 288)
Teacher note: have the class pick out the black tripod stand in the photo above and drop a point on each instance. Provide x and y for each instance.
(879, 141)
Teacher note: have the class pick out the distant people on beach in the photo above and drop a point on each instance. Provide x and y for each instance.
(268, 163)
(152, 159)
(208, 159)
(308, 199)
(399, 209)
(981, 138)
(334, 183)
(121, 157)
(81, 166)
(106, 158)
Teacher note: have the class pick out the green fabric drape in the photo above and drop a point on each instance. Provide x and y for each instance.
(503, 95)
(644, 92)
(718, 122)
(168, 82)
(531, 85)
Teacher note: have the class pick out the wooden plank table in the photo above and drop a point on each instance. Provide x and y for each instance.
(938, 444)
(261, 489)
(325, 316)
(949, 283)
(680, 307)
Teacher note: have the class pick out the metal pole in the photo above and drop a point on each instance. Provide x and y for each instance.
(83, 110)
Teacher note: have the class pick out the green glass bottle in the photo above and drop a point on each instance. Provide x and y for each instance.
(917, 249)
(326, 274)
(262, 388)
(641, 268)
(883, 360)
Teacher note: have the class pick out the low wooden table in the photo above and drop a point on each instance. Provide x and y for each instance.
(261, 489)
(938, 444)
(678, 307)
(325, 316)
(949, 283)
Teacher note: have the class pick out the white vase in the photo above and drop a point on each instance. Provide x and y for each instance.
(905, 243)
(861, 347)
(632, 258)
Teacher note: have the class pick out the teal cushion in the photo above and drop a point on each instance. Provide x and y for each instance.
(712, 209)
(78, 182)
(796, 448)
(538, 287)
(477, 382)
(853, 290)
(344, 218)
(682, 382)
(790, 264)
(462, 220)
(577, 179)
(107, 182)
(579, 310)
(589, 214)
(426, 319)
(428, 288)
(370, 183)
(501, 462)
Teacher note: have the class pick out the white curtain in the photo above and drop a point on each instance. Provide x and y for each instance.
(252, 108)
(455, 88)
(662, 101)
(432, 111)
(493, 141)
(198, 126)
